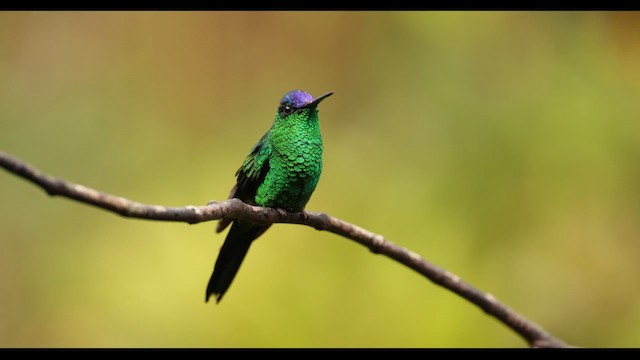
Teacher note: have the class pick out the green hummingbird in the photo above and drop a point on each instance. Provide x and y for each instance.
(281, 171)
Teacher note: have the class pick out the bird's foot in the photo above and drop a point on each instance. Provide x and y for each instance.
(305, 215)
(282, 212)
(212, 202)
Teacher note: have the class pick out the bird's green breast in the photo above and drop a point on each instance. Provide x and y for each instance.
(295, 165)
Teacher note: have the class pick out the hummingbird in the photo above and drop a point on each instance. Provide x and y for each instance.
(281, 171)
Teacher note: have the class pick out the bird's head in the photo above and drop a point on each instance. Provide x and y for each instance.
(297, 100)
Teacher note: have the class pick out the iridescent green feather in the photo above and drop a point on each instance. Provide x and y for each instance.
(295, 162)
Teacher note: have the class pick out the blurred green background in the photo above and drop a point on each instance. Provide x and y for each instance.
(502, 146)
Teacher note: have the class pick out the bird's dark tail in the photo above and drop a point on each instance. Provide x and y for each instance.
(232, 253)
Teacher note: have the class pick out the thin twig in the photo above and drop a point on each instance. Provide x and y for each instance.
(236, 209)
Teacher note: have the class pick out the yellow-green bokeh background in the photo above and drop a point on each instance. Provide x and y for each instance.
(502, 146)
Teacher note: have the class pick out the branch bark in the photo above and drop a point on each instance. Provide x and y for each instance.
(535, 335)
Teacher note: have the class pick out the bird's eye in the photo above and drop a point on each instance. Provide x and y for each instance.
(286, 109)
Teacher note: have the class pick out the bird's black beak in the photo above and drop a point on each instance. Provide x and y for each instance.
(317, 101)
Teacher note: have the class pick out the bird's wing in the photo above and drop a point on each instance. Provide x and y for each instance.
(250, 175)
(253, 170)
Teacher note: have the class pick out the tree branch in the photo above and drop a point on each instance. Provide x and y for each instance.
(236, 209)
